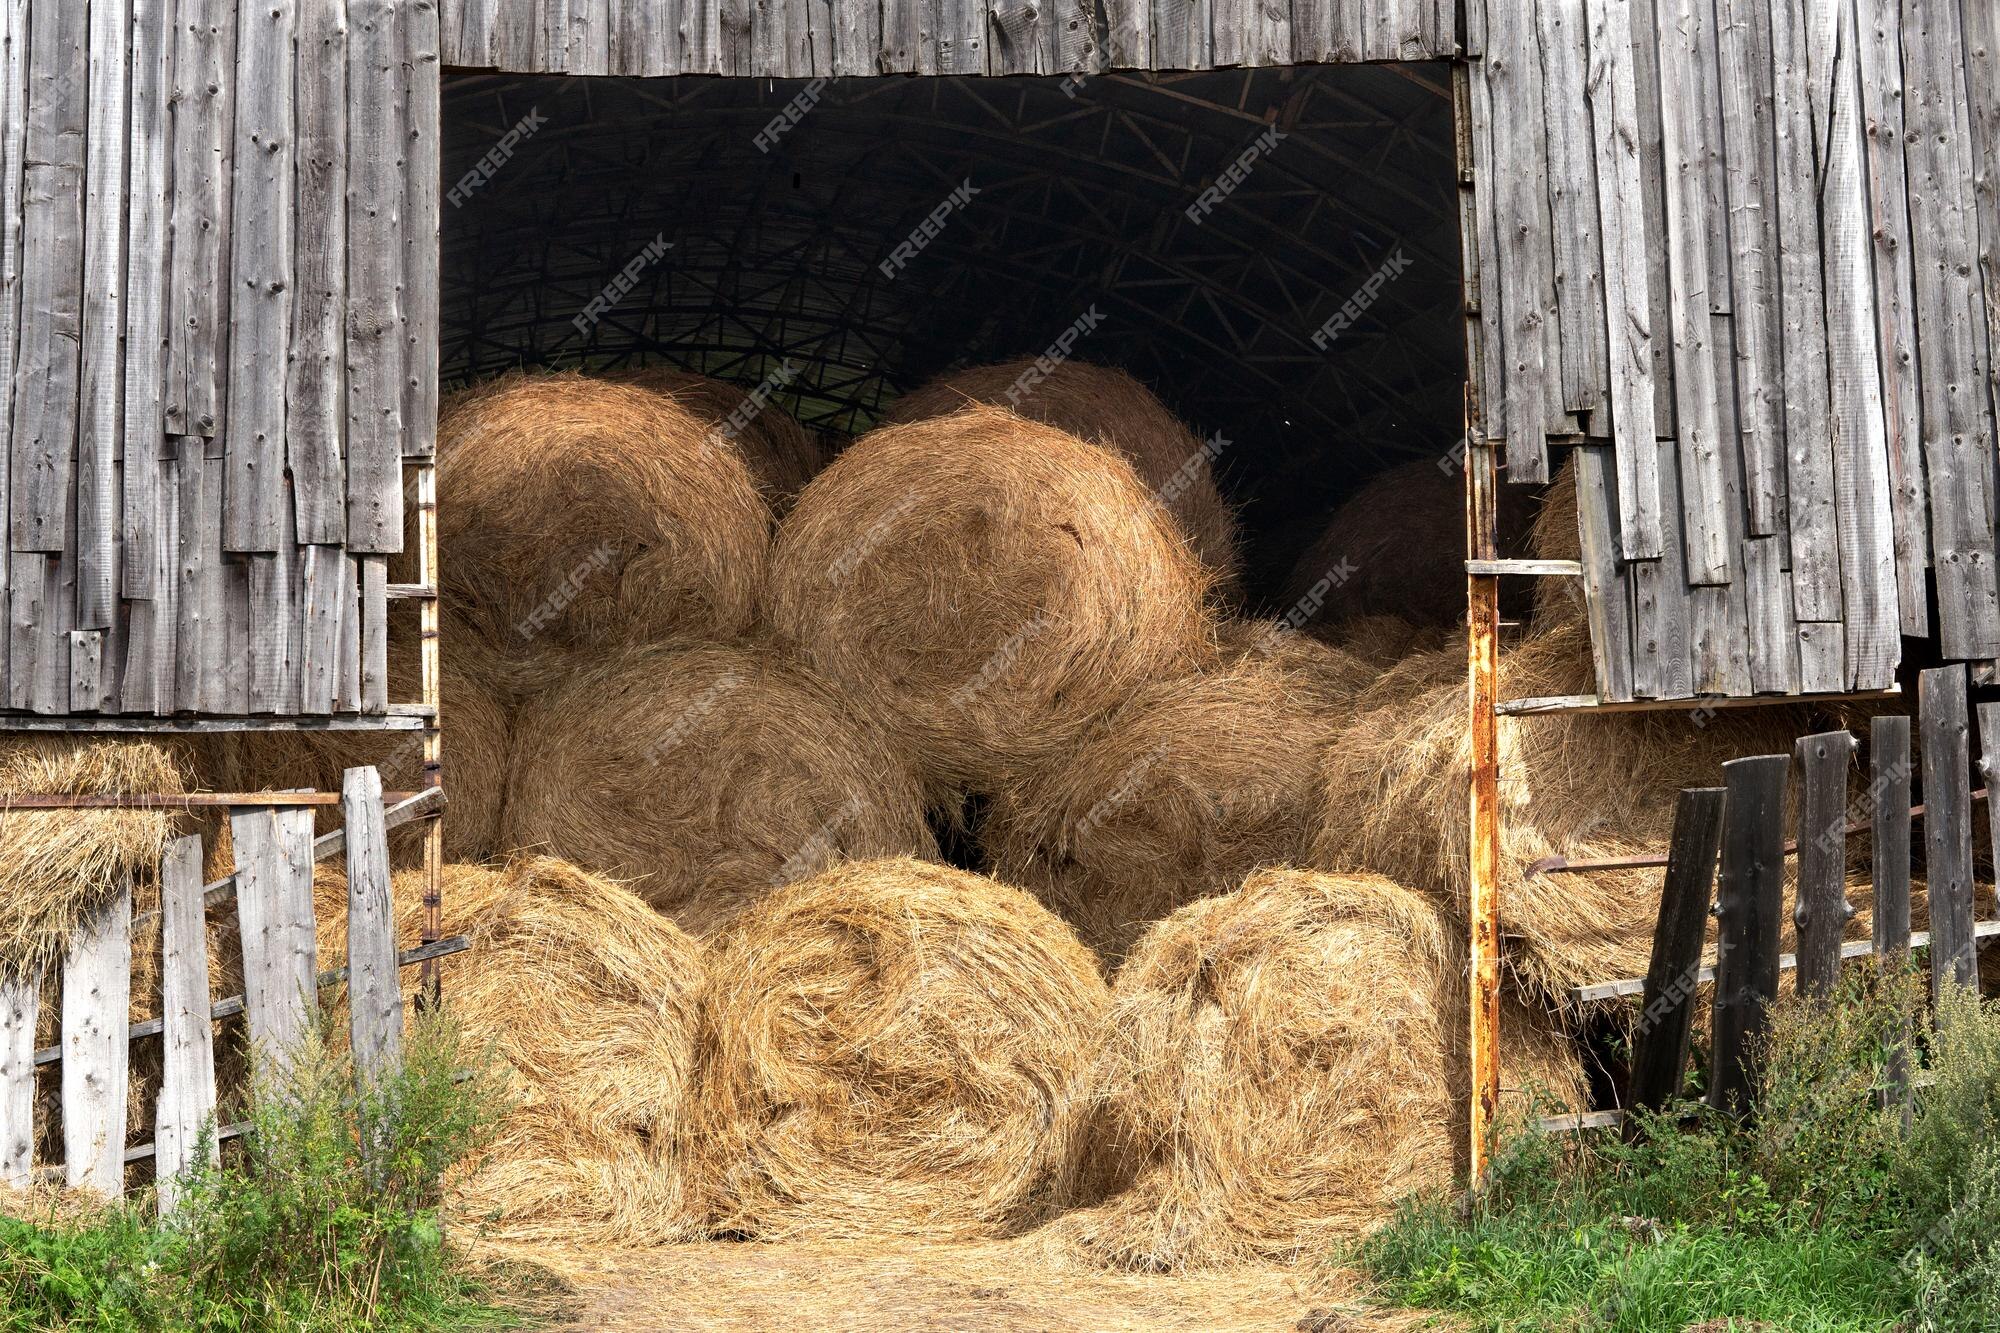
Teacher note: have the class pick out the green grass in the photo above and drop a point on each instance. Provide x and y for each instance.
(300, 1228)
(1827, 1213)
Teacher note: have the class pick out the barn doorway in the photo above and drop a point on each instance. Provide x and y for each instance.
(1273, 252)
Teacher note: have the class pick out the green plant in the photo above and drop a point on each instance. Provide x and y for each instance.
(323, 1217)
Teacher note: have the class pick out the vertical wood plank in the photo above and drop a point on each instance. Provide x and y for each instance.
(314, 404)
(1889, 831)
(1666, 1018)
(374, 995)
(374, 279)
(1521, 274)
(1653, 200)
(1895, 302)
(1958, 440)
(86, 670)
(423, 121)
(204, 85)
(96, 1007)
(323, 579)
(1749, 900)
(19, 1005)
(347, 683)
(147, 249)
(1945, 745)
(46, 373)
(1861, 440)
(374, 634)
(1809, 445)
(1982, 74)
(274, 863)
(187, 1085)
(1605, 602)
(13, 124)
(1822, 910)
(99, 504)
(1662, 632)
(1615, 118)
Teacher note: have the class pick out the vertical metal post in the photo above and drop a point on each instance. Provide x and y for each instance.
(427, 562)
(1483, 677)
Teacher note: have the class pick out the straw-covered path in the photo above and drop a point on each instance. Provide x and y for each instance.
(886, 1287)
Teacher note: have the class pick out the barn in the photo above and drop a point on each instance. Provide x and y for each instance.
(1730, 269)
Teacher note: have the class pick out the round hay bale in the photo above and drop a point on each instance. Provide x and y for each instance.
(58, 867)
(586, 513)
(475, 706)
(782, 454)
(1180, 793)
(585, 997)
(1397, 547)
(1580, 785)
(985, 586)
(1279, 1069)
(1381, 641)
(894, 1048)
(1106, 407)
(707, 775)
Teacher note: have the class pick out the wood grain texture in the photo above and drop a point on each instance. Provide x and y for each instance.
(187, 1041)
(375, 263)
(1749, 900)
(148, 246)
(374, 995)
(203, 115)
(96, 1002)
(423, 133)
(315, 406)
(19, 1006)
(1666, 1016)
(1945, 745)
(1822, 911)
(274, 860)
(100, 427)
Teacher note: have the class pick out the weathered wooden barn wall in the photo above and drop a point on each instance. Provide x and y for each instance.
(217, 347)
(1747, 249)
(821, 38)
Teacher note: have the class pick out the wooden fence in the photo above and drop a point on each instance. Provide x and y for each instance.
(272, 894)
(1727, 856)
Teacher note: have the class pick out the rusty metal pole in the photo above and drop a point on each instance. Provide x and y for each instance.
(1483, 900)
(427, 611)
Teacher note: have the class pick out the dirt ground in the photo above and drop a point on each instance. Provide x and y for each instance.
(1006, 1287)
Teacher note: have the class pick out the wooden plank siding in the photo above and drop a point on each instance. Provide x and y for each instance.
(179, 331)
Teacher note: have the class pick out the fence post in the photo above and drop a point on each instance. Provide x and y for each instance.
(1666, 1022)
(187, 1042)
(96, 1008)
(374, 993)
(274, 868)
(1822, 911)
(1748, 903)
(1947, 825)
(20, 999)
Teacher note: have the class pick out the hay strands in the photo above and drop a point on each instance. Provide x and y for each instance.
(205, 800)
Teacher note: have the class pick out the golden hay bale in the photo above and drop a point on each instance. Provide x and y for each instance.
(1107, 407)
(1280, 1068)
(475, 705)
(1184, 790)
(782, 454)
(1382, 641)
(1582, 785)
(584, 512)
(1397, 547)
(985, 585)
(585, 996)
(59, 866)
(894, 1048)
(708, 775)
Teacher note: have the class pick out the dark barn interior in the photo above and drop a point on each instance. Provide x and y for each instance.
(1274, 252)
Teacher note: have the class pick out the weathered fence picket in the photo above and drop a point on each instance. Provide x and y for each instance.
(374, 995)
(1945, 747)
(187, 1090)
(274, 908)
(20, 1002)
(96, 1002)
(1666, 1020)
(1749, 898)
(1822, 910)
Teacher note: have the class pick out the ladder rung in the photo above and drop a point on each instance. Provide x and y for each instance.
(1560, 568)
(413, 592)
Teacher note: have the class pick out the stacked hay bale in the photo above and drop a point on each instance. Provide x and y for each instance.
(585, 514)
(984, 586)
(782, 454)
(707, 775)
(584, 996)
(894, 1048)
(1280, 1067)
(1106, 407)
(1187, 787)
